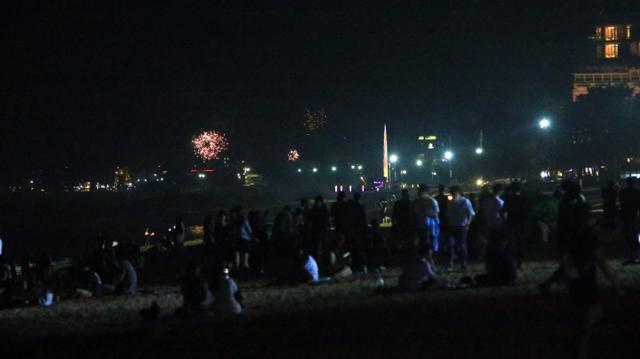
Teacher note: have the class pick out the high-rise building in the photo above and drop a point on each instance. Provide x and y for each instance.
(612, 60)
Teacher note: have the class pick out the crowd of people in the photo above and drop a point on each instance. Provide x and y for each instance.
(434, 232)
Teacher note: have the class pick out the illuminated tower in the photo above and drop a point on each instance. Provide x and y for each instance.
(385, 155)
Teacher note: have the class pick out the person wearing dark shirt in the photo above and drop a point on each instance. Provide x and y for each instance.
(609, 204)
(403, 220)
(357, 230)
(516, 211)
(569, 201)
(222, 238)
(283, 232)
(629, 207)
(583, 260)
(320, 225)
(196, 295)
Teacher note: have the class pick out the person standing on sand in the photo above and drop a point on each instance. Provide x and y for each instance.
(340, 216)
(629, 210)
(609, 204)
(516, 212)
(584, 259)
(403, 220)
(426, 213)
(356, 234)
(243, 235)
(320, 225)
(459, 214)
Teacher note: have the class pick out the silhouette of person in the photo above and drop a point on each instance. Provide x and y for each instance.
(403, 220)
(320, 225)
(571, 197)
(340, 217)
(443, 199)
(516, 211)
(609, 204)
(283, 232)
(584, 258)
(357, 230)
(629, 207)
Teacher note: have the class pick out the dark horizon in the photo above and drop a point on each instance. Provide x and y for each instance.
(92, 88)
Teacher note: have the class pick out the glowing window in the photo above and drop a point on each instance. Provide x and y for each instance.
(610, 33)
(611, 51)
(628, 31)
(598, 35)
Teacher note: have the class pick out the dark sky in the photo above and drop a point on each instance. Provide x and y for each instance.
(90, 87)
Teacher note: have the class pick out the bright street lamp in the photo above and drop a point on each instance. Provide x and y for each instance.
(419, 163)
(544, 123)
(393, 158)
(359, 167)
(479, 150)
(448, 155)
(314, 170)
(334, 168)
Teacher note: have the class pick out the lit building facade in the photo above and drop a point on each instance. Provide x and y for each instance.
(613, 60)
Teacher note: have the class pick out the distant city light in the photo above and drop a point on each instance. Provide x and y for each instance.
(544, 123)
(359, 167)
(419, 163)
(353, 167)
(448, 155)
(299, 170)
(404, 172)
(480, 182)
(479, 150)
(393, 158)
(334, 168)
(314, 170)
(201, 175)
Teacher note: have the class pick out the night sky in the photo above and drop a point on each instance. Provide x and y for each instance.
(90, 87)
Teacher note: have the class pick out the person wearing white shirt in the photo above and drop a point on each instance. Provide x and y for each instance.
(311, 268)
(459, 213)
(226, 298)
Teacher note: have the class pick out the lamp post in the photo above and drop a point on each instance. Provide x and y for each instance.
(393, 159)
(448, 156)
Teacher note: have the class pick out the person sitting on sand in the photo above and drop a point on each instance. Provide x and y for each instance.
(126, 277)
(500, 269)
(307, 268)
(417, 273)
(227, 298)
(196, 295)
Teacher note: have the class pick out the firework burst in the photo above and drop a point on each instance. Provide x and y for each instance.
(314, 120)
(209, 145)
(293, 155)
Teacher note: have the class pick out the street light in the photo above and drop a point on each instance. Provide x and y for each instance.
(419, 163)
(334, 168)
(544, 123)
(314, 170)
(359, 167)
(299, 170)
(393, 158)
(479, 150)
(448, 155)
